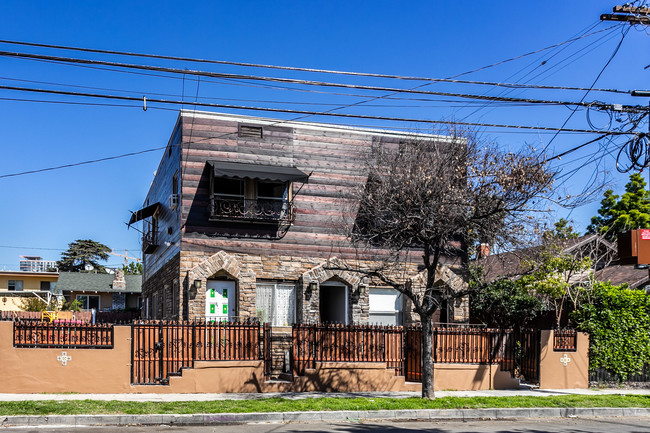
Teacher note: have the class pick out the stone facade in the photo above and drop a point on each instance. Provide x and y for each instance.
(157, 294)
(171, 292)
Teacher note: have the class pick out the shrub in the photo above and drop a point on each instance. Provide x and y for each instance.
(618, 322)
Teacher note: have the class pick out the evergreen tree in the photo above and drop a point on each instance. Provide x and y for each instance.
(83, 255)
(133, 268)
(563, 232)
(632, 211)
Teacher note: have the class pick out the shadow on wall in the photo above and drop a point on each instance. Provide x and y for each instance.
(349, 377)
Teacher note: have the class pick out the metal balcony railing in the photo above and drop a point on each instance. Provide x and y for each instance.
(260, 210)
(149, 242)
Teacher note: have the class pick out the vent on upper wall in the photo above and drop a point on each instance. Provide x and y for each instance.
(248, 131)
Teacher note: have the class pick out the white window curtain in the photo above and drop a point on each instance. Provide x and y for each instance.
(276, 303)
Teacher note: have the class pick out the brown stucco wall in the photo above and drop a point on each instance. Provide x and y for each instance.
(471, 377)
(553, 374)
(36, 370)
(89, 370)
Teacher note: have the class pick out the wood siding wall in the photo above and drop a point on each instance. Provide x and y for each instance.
(332, 157)
(169, 227)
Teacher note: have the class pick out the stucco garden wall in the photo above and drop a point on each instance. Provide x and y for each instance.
(564, 369)
(45, 370)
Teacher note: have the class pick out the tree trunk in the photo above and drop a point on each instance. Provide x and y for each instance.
(427, 358)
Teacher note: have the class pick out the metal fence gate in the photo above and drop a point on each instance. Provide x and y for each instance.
(516, 352)
(162, 349)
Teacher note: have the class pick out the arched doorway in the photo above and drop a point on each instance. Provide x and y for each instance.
(334, 302)
(220, 300)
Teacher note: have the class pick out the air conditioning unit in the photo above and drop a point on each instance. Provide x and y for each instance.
(173, 201)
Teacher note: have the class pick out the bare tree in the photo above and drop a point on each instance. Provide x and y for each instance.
(426, 201)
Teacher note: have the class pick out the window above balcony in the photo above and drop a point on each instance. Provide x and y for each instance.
(242, 192)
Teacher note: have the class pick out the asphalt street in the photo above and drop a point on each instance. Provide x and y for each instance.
(564, 425)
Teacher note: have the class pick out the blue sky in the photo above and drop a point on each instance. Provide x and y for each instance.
(42, 213)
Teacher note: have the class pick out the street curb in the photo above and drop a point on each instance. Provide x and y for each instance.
(321, 416)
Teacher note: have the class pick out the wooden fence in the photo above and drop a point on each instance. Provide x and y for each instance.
(61, 334)
(162, 349)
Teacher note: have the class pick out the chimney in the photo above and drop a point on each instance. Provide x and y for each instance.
(119, 283)
(482, 250)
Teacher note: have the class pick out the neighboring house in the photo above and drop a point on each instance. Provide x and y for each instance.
(603, 253)
(17, 285)
(102, 292)
(241, 222)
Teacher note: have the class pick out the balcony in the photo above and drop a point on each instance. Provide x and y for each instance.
(269, 211)
(149, 242)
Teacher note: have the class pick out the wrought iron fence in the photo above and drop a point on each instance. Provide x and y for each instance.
(341, 343)
(63, 334)
(161, 349)
(401, 348)
(266, 347)
(565, 340)
(602, 374)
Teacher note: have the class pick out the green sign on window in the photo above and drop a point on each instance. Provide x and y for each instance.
(212, 293)
(212, 309)
(225, 309)
(225, 293)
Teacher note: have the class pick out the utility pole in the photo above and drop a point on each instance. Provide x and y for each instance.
(645, 93)
(629, 14)
(126, 257)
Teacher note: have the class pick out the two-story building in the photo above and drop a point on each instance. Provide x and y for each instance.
(242, 220)
(15, 286)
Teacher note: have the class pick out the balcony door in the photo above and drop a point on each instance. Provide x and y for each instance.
(220, 300)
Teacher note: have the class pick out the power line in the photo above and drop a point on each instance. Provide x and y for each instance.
(267, 101)
(329, 71)
(592, 84)
(304, 112)
(544, 62)
(305, 82)
(40, 170)
(32, 248)
(49, 249)
(573, 149)
(346, 126)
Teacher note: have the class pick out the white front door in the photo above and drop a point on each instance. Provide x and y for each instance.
(219, 300)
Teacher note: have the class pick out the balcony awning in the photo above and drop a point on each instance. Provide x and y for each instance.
(144, 213)
(241, 170)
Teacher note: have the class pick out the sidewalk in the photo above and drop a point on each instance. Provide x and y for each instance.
(315, 416)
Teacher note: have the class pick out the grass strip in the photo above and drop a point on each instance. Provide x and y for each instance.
(277, 404)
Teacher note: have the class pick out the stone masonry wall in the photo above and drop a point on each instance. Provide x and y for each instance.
(161, 284)
(306, 272)
(281, 344)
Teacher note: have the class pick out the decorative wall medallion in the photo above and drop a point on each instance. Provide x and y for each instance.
(565, 360)
(64, 358)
